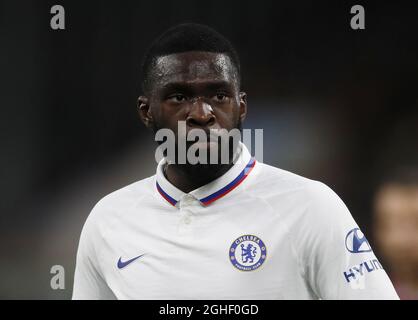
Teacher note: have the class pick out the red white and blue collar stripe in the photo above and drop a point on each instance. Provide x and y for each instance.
(165, 195)
(230, 186)
(212, 191)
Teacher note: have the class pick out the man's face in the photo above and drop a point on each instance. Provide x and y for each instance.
(200, 88)
(396, 228)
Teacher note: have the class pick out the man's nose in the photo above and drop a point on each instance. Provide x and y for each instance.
(200, 114)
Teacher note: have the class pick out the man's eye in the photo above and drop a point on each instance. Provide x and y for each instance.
(177, 98)
(221, 97)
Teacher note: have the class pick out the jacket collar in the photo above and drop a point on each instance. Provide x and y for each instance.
(214, 190)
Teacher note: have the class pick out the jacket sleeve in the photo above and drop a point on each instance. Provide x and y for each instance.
(89, 283)
(341, 264)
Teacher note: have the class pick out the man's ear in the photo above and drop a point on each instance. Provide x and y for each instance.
(145, 112)
(243, 106)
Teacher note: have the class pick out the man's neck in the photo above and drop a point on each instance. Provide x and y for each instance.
(407, 277)
(190, 177)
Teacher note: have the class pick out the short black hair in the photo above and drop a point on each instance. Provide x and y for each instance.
(186, 37)
(406, 175)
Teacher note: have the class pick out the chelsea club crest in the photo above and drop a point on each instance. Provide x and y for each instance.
(247, 253)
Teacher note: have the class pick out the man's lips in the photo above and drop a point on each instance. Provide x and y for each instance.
(208, 141)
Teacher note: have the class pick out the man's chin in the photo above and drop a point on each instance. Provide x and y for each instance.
(203, 153)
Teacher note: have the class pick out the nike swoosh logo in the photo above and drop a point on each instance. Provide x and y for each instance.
(123, 264)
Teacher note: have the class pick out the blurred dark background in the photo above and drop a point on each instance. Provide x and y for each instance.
(336, 105)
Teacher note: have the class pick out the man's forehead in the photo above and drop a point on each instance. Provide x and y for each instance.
(190, 66)
(397, 199)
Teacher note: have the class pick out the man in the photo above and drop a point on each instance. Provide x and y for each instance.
(396, 229)
(236, 229)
